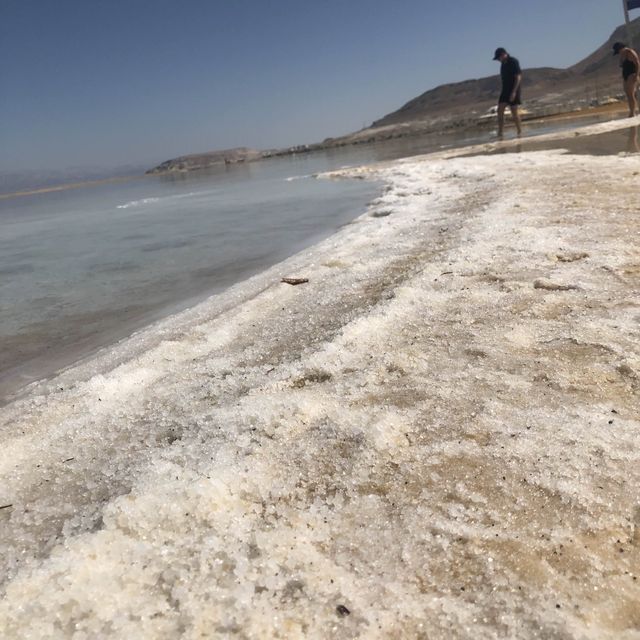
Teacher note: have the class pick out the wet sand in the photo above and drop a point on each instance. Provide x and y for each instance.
(603, 144)
(435, 437)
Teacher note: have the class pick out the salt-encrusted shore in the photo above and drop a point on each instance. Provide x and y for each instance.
(435, 437)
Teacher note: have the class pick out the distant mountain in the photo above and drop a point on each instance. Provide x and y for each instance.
(197, 161)
(591, 79)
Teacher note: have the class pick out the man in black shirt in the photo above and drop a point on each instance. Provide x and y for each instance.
(511, 75)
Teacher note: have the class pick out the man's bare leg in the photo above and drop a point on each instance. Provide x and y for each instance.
(630, 87)
(516, 118)
(501, 108)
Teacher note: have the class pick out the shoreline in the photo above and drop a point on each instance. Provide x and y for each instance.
(609, 109)
(435, 433)
(17, 380)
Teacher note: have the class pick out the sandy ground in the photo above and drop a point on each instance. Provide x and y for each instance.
(436, 437)
(613, 109)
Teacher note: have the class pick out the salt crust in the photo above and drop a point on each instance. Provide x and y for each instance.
(418, 443)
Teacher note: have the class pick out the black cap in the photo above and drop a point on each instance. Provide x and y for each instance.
(617, 46)
(498, 53)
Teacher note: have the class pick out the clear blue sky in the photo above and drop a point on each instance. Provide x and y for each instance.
(111, 82)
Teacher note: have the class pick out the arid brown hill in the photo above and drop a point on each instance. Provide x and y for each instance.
(204, 160)
(592, 79)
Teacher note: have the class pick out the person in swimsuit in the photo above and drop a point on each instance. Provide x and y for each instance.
(630, 66)
(510, 96)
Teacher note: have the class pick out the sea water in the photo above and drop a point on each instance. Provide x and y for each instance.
(81, 268)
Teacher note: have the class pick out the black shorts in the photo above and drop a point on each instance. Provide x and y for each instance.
(505, 98)
(628, 69)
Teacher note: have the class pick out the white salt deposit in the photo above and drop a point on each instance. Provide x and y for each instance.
(418, 443)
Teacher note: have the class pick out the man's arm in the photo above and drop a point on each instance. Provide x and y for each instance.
(516, 86)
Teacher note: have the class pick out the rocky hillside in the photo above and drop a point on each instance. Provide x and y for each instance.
(591, 79)
(205, 160)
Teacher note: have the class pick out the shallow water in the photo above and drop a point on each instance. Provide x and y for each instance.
(604, 144)
(81, 268)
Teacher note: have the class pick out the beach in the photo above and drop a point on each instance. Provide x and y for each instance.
(434, 437)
